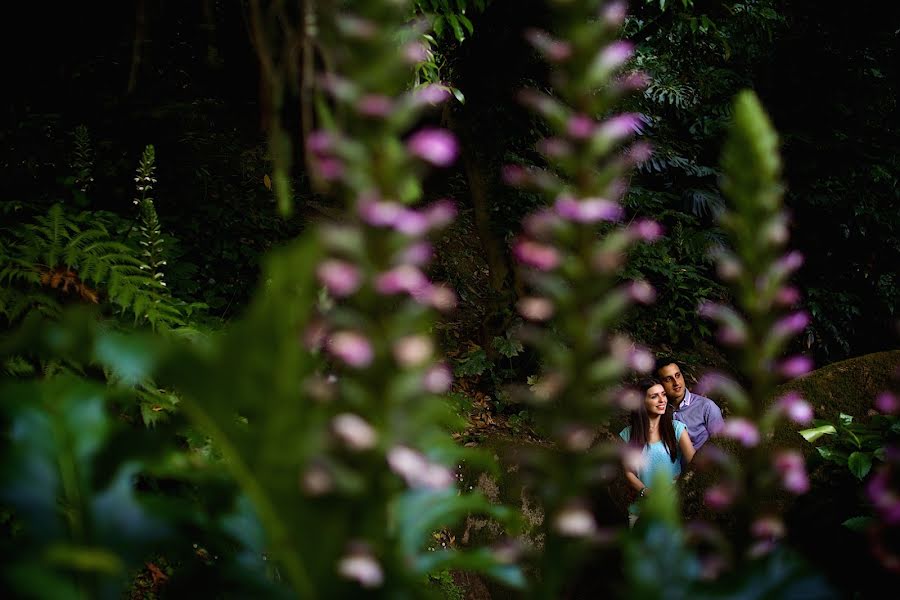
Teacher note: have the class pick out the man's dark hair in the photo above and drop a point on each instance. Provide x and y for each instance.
(664, 361)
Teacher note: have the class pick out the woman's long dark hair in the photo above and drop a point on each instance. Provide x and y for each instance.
(640, 424)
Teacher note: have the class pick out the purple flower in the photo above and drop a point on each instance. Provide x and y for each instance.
(415, 53)
(361, 566)
(794, 407)
(316, 480)
(554, 50)
(795, 366)
(575, 521)
(639, 152)
(791, 324)
(642, 292)
(539, 256)
(630, 82)
(405, 278)
(740, 429)
(641, 360)
(535, 309)
(354, 431)
(320, 142)
(620, 127)
(375, 105)
(554, 147)
(440, 213)
(513, 175)
(887, 403)
(356, 27)
(580, 127)
(787, 296)
(417, 470)
(340, 277)
(329, 169)
(437, 379)
(646, 230)
(416, 254)
(351, 347)
(589, 210)
(431, 94)
(885, 499)
(411, 222)
(613, 14)
(380, 214)
(768, 527)
(790, 262)
(790, 465)
(436, 146)
(614, 56)
(413, 350)
(540, 224)
(719, 497)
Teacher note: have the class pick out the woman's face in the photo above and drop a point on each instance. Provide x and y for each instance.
(655, 400)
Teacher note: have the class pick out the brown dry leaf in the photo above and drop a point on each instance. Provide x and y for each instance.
(156, 573)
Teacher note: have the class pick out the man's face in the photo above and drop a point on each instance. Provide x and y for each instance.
(672, 382)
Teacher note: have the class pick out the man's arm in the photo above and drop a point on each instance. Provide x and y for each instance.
(714, 421)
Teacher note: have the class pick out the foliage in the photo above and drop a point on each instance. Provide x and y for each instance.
(856, 445)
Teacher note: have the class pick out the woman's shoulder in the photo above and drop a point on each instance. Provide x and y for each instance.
(679, 427)
(625, 434)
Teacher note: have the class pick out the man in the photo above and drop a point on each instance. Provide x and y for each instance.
(701, 415)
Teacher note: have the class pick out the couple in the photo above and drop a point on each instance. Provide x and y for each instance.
(667, 438)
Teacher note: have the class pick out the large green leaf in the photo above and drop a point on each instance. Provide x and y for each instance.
(860, 463)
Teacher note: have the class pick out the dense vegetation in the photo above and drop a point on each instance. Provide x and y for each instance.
(221, 225)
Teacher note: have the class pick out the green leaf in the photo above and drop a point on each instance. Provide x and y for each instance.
(846, 419)
(837, 456)
(858, 524)
(860, 463)
(458, 32)
(811, 435)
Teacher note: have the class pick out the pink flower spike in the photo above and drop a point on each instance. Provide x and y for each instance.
(887, 403)
(440, 213)
(630, 82)
(742, 430)
(794, 407)
(535, 309)
(411, 222)
(615, 55)
(540, 224)
(768, 527)
(538, 256)
(437, 379)
(351, 347)
(640, 152)
(554, 50)
(436, 146)
(339, 277)
(641, 360)
(580, 127)
(795, 366)
(575, 521)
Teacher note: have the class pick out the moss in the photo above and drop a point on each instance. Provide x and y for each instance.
(849, 386)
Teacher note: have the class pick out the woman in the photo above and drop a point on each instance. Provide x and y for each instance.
(664, 442)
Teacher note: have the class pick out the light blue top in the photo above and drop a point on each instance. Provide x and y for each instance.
(657, 458)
